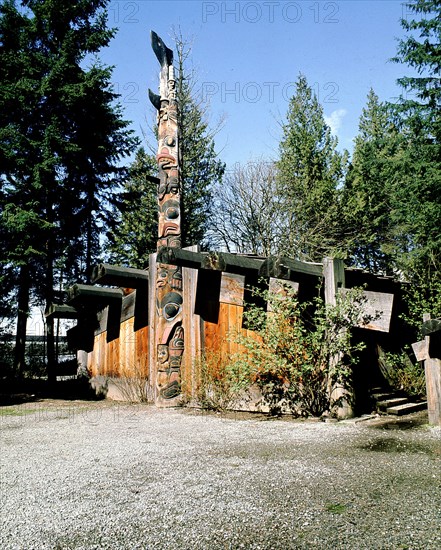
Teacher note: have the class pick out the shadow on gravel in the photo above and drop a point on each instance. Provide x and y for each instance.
(407, 422)
(17, 392)
(392, 445)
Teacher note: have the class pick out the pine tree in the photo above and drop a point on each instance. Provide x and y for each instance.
(200, 167)
(311, 170)
(61, 137)
(366, 196)
(134, 224)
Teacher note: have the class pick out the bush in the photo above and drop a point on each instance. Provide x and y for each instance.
(300, 350)
(218, 386)
(403, 374)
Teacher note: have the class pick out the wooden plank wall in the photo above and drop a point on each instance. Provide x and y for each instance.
(125, 356)
(220, 336)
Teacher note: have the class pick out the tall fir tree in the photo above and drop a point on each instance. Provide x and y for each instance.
(133, 231)
(201, 168)
(61, 139)
(421, 51)
(310, 170)
(416, 210)
(366, 201)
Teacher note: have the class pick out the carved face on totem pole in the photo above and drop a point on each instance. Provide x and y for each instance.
(169, 298)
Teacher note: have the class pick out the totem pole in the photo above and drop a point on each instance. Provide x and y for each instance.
(169, 297)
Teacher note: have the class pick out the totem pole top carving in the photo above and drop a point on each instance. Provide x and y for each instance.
(168, 151)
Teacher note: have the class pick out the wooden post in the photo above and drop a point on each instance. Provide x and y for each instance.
(340, 395)
(169, 293)
(432, 371)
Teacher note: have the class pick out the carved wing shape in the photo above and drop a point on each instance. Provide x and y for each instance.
(164, 54)
(155, 99)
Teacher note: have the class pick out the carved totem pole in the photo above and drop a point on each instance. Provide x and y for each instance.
(169, 296)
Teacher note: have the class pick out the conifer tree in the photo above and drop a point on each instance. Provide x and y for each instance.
(310, 169)
(366, 196)
(61, 138)
(416, 209)
(134, 225)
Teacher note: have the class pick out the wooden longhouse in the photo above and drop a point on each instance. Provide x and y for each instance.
(115, 333)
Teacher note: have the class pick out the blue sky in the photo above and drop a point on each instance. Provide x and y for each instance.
(248, 54)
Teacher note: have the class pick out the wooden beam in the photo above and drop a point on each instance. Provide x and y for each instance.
(115, 275)
(432, 369)
(340, 391)
(88, 294)
(181, 257)
(61, 311)
(233, 263)
(217, 261)
(307, 268)
(152, 179)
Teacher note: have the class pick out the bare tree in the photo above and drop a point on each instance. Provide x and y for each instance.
(247, 210)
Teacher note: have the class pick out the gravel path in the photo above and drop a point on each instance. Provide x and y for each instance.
(102, 475)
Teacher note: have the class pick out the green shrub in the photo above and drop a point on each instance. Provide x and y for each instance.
(299, 351)
(402, 373)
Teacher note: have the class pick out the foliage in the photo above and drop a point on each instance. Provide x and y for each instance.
(133, 388)
(367, 190)
(218, 386)
(6, 354)
(402, 373)
(200, 167)
(133, 231)
(421, 50)
(62, 137)
(336, 507)
(290, 359)
(310, 172)
(416, 210)
(424, 296)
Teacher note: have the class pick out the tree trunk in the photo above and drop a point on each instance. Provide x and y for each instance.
(22, 318)
(50, 333)
(49, 292)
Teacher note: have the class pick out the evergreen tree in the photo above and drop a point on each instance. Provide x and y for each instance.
(416, 209)
(366, 196)
(134, 224)
(421, 50)
(200, 167)
(61, 137)
(310, 170)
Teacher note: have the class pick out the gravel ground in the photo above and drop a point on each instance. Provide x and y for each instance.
(105, 475)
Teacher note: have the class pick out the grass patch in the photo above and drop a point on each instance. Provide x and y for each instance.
(16, 411)
(336, 507)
